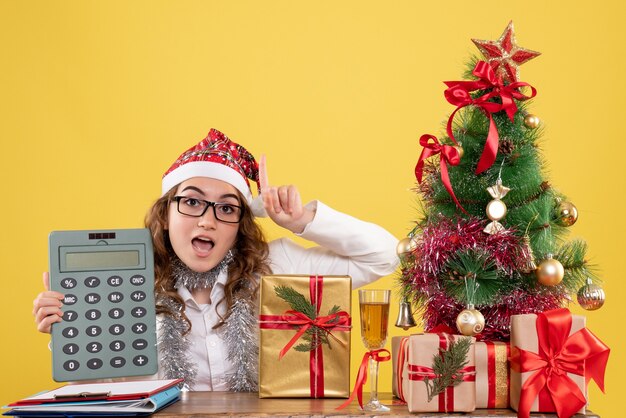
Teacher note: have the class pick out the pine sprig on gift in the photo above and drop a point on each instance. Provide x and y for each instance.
(447, 365)
(314, 336)
(296, 300)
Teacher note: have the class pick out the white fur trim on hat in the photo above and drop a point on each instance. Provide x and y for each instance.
(206, 169)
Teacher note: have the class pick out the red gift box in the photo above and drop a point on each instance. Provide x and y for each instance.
(553, 357)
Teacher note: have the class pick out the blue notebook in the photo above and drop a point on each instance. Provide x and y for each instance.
(142, 406)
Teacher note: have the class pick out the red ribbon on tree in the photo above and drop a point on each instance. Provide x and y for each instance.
(448, 155)
(559, 353)
(445, 398)
(339, 321)
(361, 377)
(458, 94)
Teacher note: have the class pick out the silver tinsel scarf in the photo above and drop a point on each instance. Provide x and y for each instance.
(173, 346)
(193, 280)
(239, 331)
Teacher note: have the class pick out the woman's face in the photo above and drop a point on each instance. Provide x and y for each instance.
(202, 242)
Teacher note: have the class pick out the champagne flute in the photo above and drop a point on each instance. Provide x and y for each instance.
(374, 306)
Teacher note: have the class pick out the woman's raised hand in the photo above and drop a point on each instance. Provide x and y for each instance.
(282, 203)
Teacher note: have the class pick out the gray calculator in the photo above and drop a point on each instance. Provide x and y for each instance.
(109, 322)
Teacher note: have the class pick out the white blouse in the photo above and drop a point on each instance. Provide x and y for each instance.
(346, 246)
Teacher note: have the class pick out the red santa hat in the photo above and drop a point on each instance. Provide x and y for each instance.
(217, 157)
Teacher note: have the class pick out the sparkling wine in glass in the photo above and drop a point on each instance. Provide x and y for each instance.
(374, 306)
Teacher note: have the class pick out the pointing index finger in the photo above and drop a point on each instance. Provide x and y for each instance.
(263, 181)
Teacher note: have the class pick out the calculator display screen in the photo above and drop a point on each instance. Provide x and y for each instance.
(101, 260)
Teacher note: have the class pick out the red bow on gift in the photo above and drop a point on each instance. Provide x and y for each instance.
(559, 353)
(327, 323)
(458, 94)
(449, 155)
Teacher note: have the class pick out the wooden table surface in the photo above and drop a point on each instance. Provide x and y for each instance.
(237, 404)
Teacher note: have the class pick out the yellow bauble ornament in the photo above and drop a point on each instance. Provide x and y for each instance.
(550, 272)
(470, 321)
(531, 121)
(568, 214)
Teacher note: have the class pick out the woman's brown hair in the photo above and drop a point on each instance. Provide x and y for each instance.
(249, 263)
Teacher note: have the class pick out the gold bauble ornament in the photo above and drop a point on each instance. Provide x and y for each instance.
(406, 246)
(470, 321)
(459, 149)
(591, 296)
(568, 214)
(550, 272)
(531, 121)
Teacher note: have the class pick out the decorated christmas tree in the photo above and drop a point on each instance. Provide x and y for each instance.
(491, 238)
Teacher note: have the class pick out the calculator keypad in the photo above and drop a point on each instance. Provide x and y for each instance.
(108, 327)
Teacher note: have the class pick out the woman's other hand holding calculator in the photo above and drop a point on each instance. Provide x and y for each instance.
(47, 306)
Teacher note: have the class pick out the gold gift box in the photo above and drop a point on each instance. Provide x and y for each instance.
(294, 375)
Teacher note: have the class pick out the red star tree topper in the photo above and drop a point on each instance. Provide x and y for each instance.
(504, 55)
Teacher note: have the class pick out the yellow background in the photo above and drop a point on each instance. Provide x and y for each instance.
(97, 98)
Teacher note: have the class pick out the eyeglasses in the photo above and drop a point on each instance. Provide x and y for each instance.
(225, 212)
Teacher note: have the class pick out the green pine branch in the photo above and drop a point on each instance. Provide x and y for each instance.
(577, 269)
(296, 300)
(471, 276)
